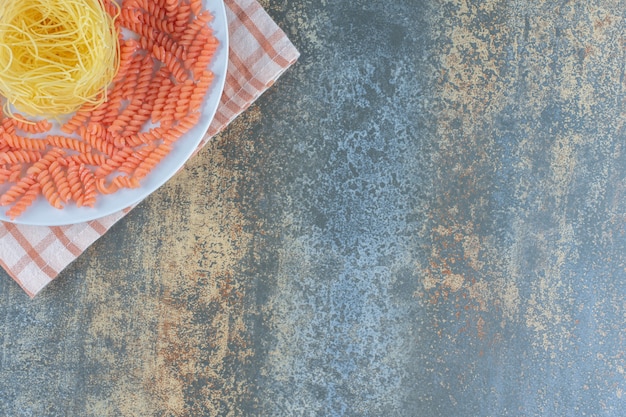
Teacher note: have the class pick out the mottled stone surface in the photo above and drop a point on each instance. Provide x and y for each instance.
(425, 216)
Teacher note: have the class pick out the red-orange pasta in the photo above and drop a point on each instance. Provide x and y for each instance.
(59, 176)
(19, 156)
(24, 143)
(88, 181)
(48, 189)
(193, 30)
(169, 107)
(154, 8)
(125, 119)
(111, 7)
(195, 48)
(26, 200)
(181, 20)
(151, 160)
(132, 162)
(143, 138)
(179, 72)
(99, 142)
(181, 128)
(73, 180)
(8, 125)
(30, 127)
(45, 161)
(204, 58)
(76, 121)
(128, 84)
(16, 171)
(17, 190)
(118, 182)
(196, 6)
(167, 42)
(165, 92)
(10, 174)
(182, 104)
(68, 143)
(170, 7)
(95, 159)
(113, 162)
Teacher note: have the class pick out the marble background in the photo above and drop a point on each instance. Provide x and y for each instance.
(425, 216)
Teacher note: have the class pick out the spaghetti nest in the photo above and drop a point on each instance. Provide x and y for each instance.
(56, 55)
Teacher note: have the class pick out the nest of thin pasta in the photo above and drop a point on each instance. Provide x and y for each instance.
(161, 80)
(56, 55)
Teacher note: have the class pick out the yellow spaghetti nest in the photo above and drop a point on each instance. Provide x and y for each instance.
(56, 55)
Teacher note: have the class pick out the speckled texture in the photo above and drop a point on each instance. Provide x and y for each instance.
(426, 216)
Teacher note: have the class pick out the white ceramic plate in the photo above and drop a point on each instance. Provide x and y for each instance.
(42, 214)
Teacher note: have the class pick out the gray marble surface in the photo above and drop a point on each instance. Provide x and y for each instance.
(425, 216)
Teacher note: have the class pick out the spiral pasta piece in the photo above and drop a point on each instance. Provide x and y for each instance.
(58, 174)
(19, 156)
(88, 181)
(26, 200)
(17, 190)
(73, 180)
(120, 181)
(48, 189)
(10, 174)
(68, 143)
(27, 126)
(24, 143)
(45, 161)
(151, 160)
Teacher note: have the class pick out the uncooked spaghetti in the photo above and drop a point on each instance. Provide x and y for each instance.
(56, 55)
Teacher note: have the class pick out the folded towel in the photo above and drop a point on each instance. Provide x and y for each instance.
(259, 53)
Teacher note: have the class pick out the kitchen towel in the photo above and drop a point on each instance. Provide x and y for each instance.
(259, 52)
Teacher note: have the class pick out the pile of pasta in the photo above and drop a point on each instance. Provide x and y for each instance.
(165, 47)
(56, 55)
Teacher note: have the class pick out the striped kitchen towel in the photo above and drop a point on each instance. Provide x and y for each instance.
(259, 53)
